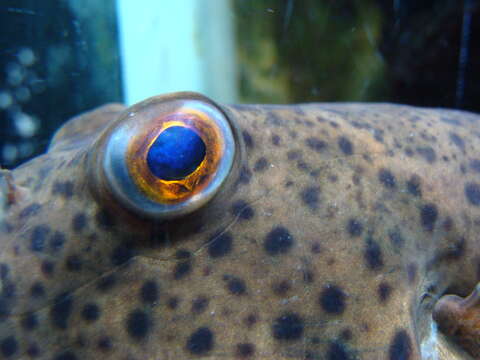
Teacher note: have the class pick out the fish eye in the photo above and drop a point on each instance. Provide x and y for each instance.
(167, 156)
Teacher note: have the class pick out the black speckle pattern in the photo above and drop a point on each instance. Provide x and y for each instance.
(73, 263)
(121, 254)
(29, 322)
(396, 238)
(472, 192)
(104, 344)
(400, 347)
(66, 355)
(354, 227)
(316, 144)
(288, 327)
(337, 351)
(332, 300)
(61, 311)
(138, 325)
(29, 211)
(106, 283)
(345, 145)
(182, 269)
(105, 220)
(57, 241)
(260, 165)
(243, 210)
(373, 255)
(414, 186)
(79, 222)
(235, 285)
(387, 178)
(458, 141)
(245, 350)
(39, 237)
(220, 245)
(384, 291)
(9, 346)
(247, 138)
(310, 197)
(475, 165)
(199, 304)
(201, 341)
(278, 241)
(149, 292)
(427, 153)
(428, 216)
(37, 290)
(90, 312)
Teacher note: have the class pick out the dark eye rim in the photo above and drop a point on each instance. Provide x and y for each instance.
(124, 189)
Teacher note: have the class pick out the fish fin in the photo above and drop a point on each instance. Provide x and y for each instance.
(459, 320)
(85, 125)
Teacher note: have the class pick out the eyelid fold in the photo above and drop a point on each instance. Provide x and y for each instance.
(125, 165)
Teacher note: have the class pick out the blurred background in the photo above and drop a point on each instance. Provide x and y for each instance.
(59, 58)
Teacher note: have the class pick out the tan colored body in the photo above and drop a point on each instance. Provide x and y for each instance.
(346, 224)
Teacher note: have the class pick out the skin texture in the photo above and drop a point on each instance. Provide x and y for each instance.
(338, 230)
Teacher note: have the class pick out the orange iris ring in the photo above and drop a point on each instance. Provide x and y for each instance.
(175, 191)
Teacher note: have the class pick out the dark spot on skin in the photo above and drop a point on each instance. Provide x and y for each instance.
(57, 241)
(245, 350)
(387, 178)
(248, 139)
(281, 288)
(90, 312)
(428, 216)
(236, 286)
(316, 144)
(138, 325)
(250, 320)
(4, 270)
(67, 355)
(33, 351)
(396, 238)
(173, 302)
(200, 341)
(316, 248)
(245, 176)
(278, 241)
(183, 254)
(411, 273)
(220, 245)
(475, 165)
(354, 227)
(61, 310)
(121, 254)
(414, 186)
(182, 269)
(241, 209)
(39, 237)
(346, 334)
(104, 219)
(458, 141)
(373, 255)
(79, 222)
(310, 197)
(384, 290)
(149, 292)
(472, 192)
(427, 153)
(307, 276)
(73, 263)
(63, 188)
(47, 268)
(30, 210)
(104, 343)
(106, 283)
(276, 140)
(345, 145)
(332, 300)
(294, 155)
(29, 322)
(288, 327)
(400, 347)
(454, 251)
(199, 304)
(37, 290)
(408, 152)
(337, 351)
(260, 165)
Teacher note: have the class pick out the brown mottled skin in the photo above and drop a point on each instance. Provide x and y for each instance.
(339, 229)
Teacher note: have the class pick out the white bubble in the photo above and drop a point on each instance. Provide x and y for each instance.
(25, 124)
(5, 99)
(9, 153)
(22, 94)
(26, 56)
(15, 74)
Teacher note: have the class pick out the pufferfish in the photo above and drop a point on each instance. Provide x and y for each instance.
(180, 228)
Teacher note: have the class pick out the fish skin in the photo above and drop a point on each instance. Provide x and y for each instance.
(340, 228)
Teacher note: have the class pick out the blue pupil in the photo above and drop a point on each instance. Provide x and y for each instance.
(176, 153)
